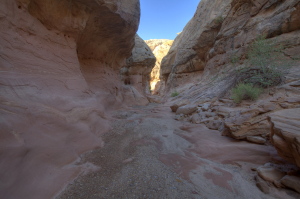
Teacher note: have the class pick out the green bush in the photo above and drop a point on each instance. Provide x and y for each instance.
(234, 59)
(267, 65)
(245, 92)
(174, 94)
(219, 20)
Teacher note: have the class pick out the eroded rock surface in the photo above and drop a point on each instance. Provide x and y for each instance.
(292, 182)
(188, 52)
(64, 70)
(59, 80)
(285, 134)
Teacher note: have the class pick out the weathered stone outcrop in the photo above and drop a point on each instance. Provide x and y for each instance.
(291, 182)
(85, 21)
(249, 119)
(160, 48)
(285, 134)
(136, 73)
(60, 77)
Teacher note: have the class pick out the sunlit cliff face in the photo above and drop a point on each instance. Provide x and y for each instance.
(160, 48)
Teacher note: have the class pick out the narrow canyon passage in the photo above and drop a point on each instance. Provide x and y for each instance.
(77, 118)
(148, 154)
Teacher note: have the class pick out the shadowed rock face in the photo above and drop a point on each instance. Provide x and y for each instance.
(59, 78)
(100, 27)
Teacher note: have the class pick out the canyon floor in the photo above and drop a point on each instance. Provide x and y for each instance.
(148, 154)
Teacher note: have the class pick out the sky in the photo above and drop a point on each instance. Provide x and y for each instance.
(162, 19)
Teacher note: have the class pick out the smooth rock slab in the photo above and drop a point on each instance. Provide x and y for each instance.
(285, 134)
(270, 174)
(292, 182)
(256, 139)
(186, 110)
(262, 185)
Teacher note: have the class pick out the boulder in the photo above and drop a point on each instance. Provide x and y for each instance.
(196, 118)
(187, 109)
(139, 66)
(292, 182)
(256, 139)
(154, 99)
(205, 107)
(285, 134)
(174, 107)
(270, 174)
(262, 185)
(214, 124)
(243, 122)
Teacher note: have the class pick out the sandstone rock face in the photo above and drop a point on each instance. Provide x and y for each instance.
(270, 174)
(137, 71)
(262, 185)
(188, 52)
(201, 65)
(60, 77)
(82, 21)
(160, 48)
(292, 182)
(200, 61)
(285, 134)
(256, 139)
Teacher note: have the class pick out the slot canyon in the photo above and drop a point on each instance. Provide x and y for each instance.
(91, 110)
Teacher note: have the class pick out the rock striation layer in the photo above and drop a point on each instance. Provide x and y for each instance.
(216, 40)
(188, 52)
(60, 77)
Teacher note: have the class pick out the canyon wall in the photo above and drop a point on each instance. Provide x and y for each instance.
(160, 48)
(221, 31)
(204, 63)
(60, 76)
(139, 66)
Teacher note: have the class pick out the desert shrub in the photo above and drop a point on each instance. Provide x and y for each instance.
(267, 66)
(234, 59)
(245, 92)
(219, 20)
(174, 94)
(262, 77)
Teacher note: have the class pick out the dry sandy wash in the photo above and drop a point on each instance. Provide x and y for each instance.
(148, 154)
